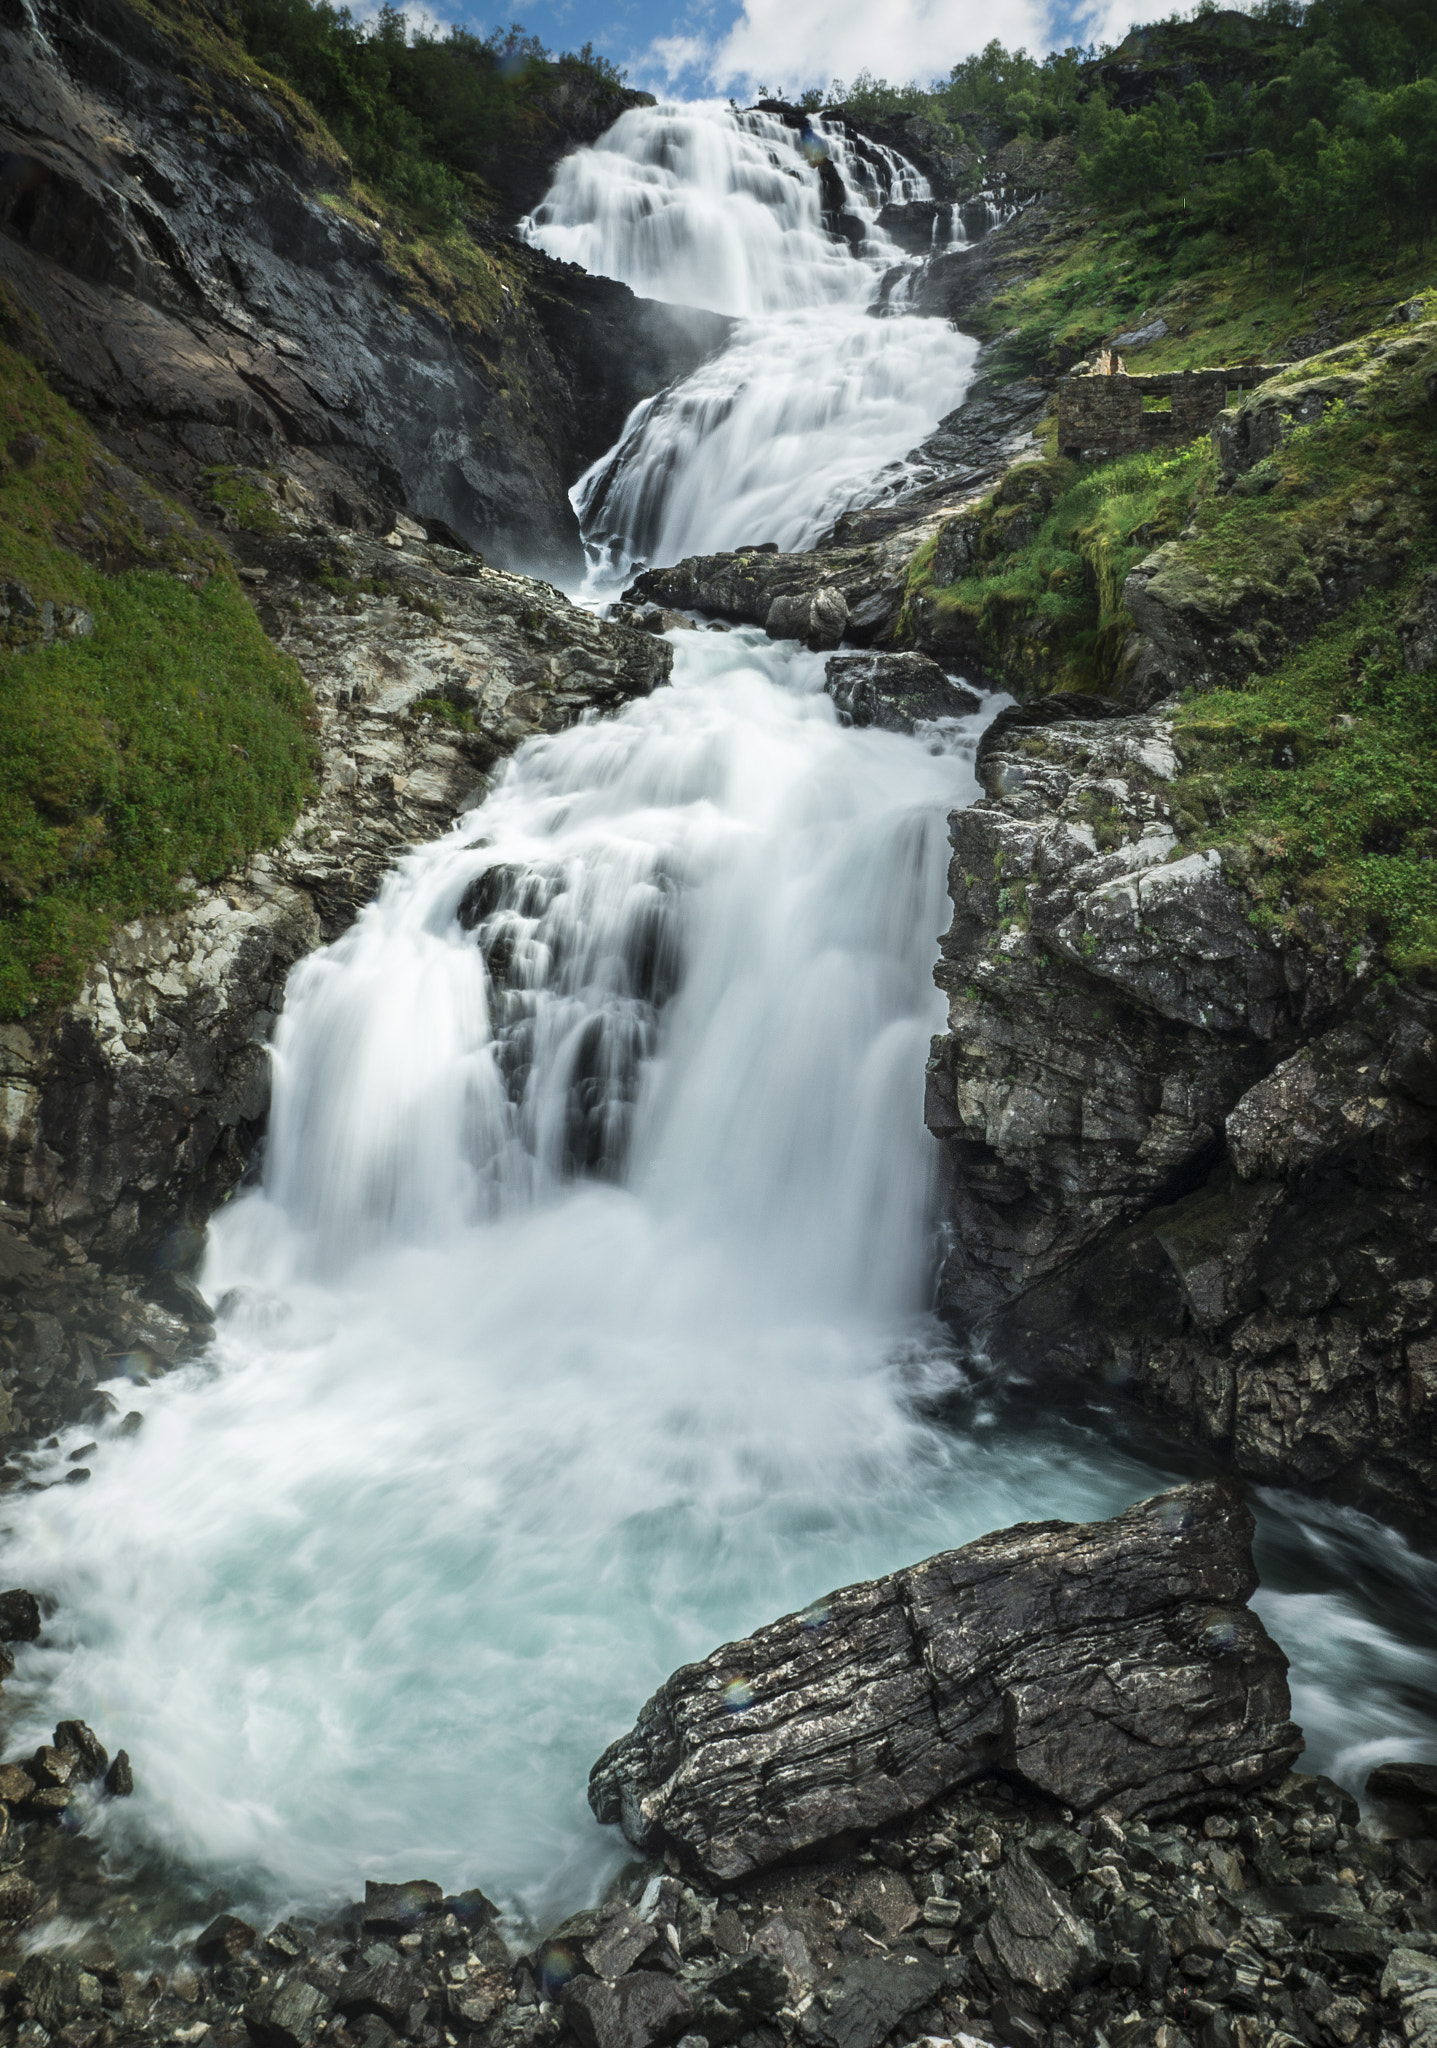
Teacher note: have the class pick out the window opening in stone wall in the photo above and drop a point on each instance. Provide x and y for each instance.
(1155, 402)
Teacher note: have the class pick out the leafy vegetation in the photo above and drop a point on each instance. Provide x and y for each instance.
(168, 742)
(418, 112)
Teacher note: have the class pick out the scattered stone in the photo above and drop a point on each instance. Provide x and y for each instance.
(120, 1779)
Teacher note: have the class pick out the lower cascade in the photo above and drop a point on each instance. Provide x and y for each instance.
(581, 1319)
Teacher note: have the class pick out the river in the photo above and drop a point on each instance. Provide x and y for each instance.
(581, 1320)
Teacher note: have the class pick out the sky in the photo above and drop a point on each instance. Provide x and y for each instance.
(695, 48)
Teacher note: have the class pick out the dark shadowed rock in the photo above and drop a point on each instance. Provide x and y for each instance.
(225, 1939)
(862, 2003)
(640, 2011)
(1034, 1946)
(120, 1779)
(19, 1617)
(1110, 1663)
(894, 691)
(287, 2014)
(395, 1908)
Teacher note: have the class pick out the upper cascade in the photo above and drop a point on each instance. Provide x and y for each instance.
(734, 212)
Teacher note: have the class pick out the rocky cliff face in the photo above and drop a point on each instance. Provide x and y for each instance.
(1189, 1154)
(202, 279)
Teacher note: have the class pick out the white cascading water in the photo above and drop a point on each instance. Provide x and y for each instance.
(814, 397)
(580, 1322)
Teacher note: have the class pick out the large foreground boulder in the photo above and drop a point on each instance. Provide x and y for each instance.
(1103, 1664)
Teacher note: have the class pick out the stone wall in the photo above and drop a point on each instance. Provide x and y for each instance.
(1113, 414)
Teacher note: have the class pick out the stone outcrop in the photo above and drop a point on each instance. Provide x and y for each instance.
(895, 691)
(1202, 620)
(129, 1115)
(1113, 1664)
(192, 269)
(1187, 1153)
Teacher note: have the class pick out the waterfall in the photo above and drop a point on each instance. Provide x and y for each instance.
(815, 397)
(581, 1320)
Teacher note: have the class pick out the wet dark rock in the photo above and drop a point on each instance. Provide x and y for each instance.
(396, 1908)
(392, 1990)
(119, 1778)
(225, 1939)
(1084, 1660)
(860, 2004)
(20, 1620)
(288, 2014)
(1409, 1784)
(894, 691)
(642, 2010)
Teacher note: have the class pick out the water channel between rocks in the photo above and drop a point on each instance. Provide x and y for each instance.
(580, 1322)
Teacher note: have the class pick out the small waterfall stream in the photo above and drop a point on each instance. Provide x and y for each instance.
(581, 1320)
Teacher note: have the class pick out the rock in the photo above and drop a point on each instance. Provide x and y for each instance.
(1080, 1659)
(859, 2005)
(816, 617)
(640, 2011)
(1171, 1168)
(120, 1779)
(288, 2014)
(51, 1766)
(1060, 1853)
(225, 1940)
(894, 691)
(393, 1990)
(19, 1896)
(1033, 1946)
(19, 1617)
(1409, 1785)
(1409, 1980)
(16, 1785)
(618, 1944)
(395, 1908)
(1141, 337)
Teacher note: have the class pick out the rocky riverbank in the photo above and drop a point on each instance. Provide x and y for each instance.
(1031, 1793)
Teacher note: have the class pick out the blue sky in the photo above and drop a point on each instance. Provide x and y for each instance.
(694, 47)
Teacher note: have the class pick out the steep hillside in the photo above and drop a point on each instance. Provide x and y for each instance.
(209, 280)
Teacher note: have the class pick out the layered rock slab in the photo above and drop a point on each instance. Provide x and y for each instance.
(1103, 1664)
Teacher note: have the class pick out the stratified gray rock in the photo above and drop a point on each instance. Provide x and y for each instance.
(894, 691)
(1188, 1151)
(1112, 1663)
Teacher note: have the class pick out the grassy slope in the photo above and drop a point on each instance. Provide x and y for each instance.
(1317, 770)
(167, 743)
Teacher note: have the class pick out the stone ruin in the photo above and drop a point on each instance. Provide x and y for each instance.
(1104, 410)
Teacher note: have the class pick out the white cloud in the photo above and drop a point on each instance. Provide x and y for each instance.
(670, 59)
(789, 44)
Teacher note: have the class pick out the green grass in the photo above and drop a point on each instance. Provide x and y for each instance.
(1323, 778)
(1056, 542)
(167, 744)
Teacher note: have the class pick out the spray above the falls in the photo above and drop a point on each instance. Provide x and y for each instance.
(816, 401)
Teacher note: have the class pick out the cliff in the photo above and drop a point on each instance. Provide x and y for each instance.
(206, 280)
